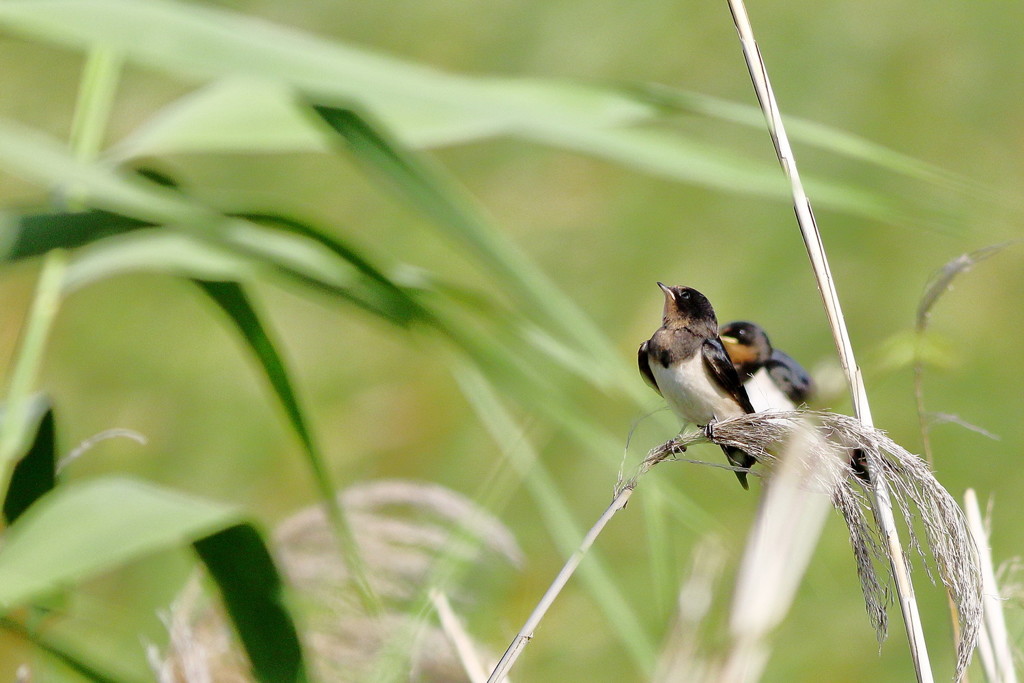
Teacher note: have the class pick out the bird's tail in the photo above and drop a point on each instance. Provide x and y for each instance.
(738, 458)
(859, 465)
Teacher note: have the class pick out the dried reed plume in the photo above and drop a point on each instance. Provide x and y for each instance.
(403, 528)
(913, 488)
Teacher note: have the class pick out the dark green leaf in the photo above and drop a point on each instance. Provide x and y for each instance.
(36, 234)
(375, 292)
(35, 474)
(232, 299)
(251, 587)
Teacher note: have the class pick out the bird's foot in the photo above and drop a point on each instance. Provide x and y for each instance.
(709, 430)
(675, 448)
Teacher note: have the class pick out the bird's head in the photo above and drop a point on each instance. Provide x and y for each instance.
(747, 345)
(686, 307)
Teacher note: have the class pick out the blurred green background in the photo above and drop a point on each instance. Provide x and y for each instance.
(939, 81)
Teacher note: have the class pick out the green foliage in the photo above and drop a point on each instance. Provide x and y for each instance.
(301, 171)
(35, 473)
(239, 562)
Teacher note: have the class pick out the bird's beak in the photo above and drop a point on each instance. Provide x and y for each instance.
(729, 340)
(669, 299)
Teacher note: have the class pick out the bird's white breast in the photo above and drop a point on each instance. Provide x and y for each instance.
(692, 393)
(765, 395)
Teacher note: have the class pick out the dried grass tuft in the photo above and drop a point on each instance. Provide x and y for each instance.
(403, 529)
(919, 497)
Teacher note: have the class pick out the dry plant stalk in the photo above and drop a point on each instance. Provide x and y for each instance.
(404, 528)
(913, 486)
(515, 649)
(997, 654)
(882, 506)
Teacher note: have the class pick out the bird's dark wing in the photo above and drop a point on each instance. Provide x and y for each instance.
(790, 377)
(716, 360)
(644, 361)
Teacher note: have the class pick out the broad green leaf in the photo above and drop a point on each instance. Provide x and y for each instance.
(38, 158)
(250, 586)
(79, 530)
(419, 103)
(36, 473)
(249, 115)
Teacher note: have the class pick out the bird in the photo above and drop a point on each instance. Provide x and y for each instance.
(686, 362)
(772, 378)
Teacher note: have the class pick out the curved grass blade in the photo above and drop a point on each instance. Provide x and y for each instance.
(36, 234)
(232, 299)
(428, 190)
(805, 131)
(406, 95)
(251, 588)
(375, 291)
(35, 474)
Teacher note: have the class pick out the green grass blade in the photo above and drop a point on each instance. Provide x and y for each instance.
(373, 290)
(251, 588)
(805, 131)
(36, 234)
(427, 189)
(36, 473)
(441, 106)
(235, 303)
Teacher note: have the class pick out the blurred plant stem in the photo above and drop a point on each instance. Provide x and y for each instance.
(96, 91)
(27, 361)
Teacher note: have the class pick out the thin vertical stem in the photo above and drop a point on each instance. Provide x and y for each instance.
(882, 506)
(100, 77)
(42, 313)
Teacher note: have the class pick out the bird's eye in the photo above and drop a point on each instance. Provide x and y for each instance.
(685, 294)
(741, 333)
